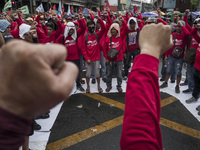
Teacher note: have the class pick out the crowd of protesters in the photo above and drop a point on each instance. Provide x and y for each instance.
(104, 41)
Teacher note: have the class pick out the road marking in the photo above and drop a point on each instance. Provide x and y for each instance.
(180, 128)
(88, 133)
(84, 135)
(168, 101)
(106, 100)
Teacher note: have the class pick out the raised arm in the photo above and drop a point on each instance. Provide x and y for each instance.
(82, 27)
(103, 28)
(141, 128)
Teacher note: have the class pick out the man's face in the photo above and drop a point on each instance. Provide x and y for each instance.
(42, 22)
(178, 29)
(91, 28)
(29, 22)
(15, 16)
(8, 29)
(132, 26)
(71, 31)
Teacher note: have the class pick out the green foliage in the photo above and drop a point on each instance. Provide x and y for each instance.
(194, 4)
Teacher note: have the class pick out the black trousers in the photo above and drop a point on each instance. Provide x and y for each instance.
(196, 90)
(129, 54)
(77, 62)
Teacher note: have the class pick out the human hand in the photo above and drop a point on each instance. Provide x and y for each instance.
(89, 61)
(150, 42)
(124, 55)
(98, 9)
(107, 61)
(34, 78)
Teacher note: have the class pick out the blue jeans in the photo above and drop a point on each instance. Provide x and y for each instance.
(109, 70)
(103, 67)
(190, 76)
(163, 71)
(174, 65)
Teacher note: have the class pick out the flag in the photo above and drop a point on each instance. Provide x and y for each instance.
(25, 9)
(40, 8)
(54, 7)
(71, 10)
(107, 4)
(63, 11)
(59, 9)
(7, 5)
(85, 11)
(68, 11)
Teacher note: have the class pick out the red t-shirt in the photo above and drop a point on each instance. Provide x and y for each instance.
(141, 128)
(180, 41)
(132, 41)
(91, 51)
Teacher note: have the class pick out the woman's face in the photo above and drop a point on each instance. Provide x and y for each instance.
(50, 30)
(114, 32)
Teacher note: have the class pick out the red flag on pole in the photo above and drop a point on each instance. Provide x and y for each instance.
(63, 11)
(54, 7)
(71, 10)
(107, 4)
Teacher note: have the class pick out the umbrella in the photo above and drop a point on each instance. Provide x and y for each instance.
(149, 14)
(157, 12)
(195, 14)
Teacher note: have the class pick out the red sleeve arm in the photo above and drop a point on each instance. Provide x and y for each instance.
(38, 19)
(99, 14)
(109, 23)
(127, 17)
(195, 34)
(60, 29)
(141, 128)
(19, 21)
(185, 30)
(140, 16)
(162, 21)
(82, 28)
(188, 27)
(185, 18)
(103, 29)
(13, 130)
(124, 30)
(92, 17)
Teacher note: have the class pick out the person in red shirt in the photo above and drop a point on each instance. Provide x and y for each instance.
(32, 92)
(141, 128)
(53, 34)
(196, 91)
(69, 39)
(91, 52)
(191, 46)
(115, 40)
(175, 55)
(132, 44)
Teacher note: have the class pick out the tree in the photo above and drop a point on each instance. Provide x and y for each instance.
(194, 4)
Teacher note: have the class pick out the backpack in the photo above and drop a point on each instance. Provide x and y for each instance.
(86, 38)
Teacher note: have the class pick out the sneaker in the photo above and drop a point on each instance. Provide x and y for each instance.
(36, 126)
(177, 89)
(80, 88)
(198, 108)
(44, 116)
(108, 89)
(183, 84)
(119, 89)
(162, 79)
(186, 91)
(192, 99)
(93, 81)
(172, 81)
(164, 85)
(104, 80)
(125, 78)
